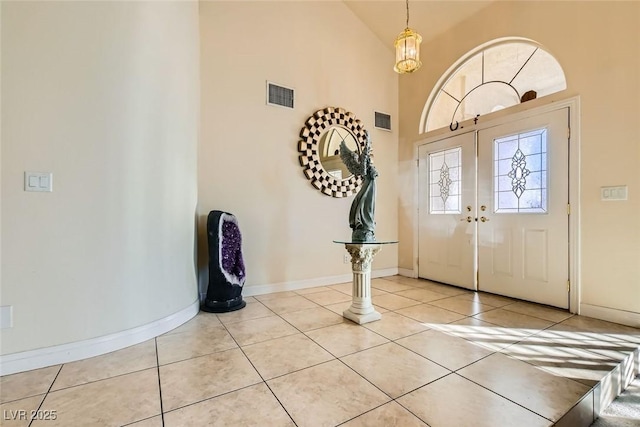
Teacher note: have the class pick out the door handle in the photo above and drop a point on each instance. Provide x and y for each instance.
(484, 219)
(468, 219)
(483, 208)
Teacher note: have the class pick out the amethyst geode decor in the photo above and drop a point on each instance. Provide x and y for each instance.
(226, 266)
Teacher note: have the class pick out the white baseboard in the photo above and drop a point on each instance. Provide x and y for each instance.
(407, 272)
(65, 353)
(385, 272)
(311, 283)
(623, 317)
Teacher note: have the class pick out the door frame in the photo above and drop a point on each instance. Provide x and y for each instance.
(518, 112)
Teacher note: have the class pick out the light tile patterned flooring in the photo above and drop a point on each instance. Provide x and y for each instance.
(440, 356)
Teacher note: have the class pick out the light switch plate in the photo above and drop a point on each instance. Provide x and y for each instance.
(618, 192)
(38, 181)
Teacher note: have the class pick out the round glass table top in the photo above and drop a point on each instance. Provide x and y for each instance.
(378, 242)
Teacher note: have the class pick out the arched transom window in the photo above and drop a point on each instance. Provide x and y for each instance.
(493, 76)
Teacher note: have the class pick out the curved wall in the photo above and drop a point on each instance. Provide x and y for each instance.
(105, 95)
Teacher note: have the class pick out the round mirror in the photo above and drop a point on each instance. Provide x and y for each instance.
(330, 151)
(319, 148)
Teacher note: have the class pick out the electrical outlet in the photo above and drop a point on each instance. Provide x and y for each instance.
(345, 258)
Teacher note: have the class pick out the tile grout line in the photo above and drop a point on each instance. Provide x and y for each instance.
(455, 373)
(304, 333)
(536, 366)
(390, 340)
(348, 354)
(411, 412)
(155, 341)
(238, 347)
(258, 372)
(238, 321)
(493, 351)
(474, 362)
(504, 397)
(202, 400)
(46, 394)
(280, 403)
(102, 379)
(523, 339)
(301, 369)
(367, 380)
(316, 343)
(289, 323)
(365, 412)
(538, 317)
(339, 360)
(433, 361)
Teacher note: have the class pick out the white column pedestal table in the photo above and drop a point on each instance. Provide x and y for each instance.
(362, 253)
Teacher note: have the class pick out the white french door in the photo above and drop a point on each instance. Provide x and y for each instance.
(447, 243)
(514, 190)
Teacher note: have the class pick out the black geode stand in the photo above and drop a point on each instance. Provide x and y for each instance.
(226, 265)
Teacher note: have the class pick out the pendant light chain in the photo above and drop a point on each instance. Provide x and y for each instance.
(407, 14)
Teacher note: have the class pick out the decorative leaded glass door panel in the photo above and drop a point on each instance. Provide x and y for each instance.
(447, 187)
(523, 224)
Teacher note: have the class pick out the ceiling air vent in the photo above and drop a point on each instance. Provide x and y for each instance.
(383, 121)
(279, 95)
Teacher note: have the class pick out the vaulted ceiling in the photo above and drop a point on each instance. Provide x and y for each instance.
(428, 17)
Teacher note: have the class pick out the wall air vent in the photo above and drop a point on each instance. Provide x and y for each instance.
(383, 121)
(279, 95)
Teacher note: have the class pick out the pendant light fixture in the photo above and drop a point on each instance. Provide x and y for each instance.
(407, 49)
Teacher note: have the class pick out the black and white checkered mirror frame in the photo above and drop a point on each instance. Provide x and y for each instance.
(308, 146)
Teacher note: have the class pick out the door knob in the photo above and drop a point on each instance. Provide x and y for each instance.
(484, 219)
(469, 208)
(468, 219)
(483, 208)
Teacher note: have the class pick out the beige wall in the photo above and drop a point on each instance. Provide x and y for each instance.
(105, 95)
(597, 45)
(248, 159)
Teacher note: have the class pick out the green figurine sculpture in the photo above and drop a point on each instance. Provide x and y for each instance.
(362, 213)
